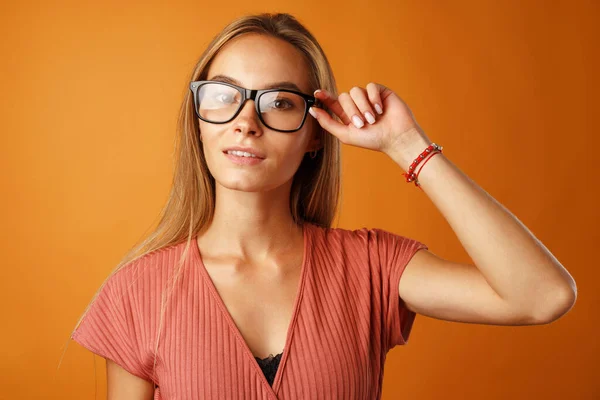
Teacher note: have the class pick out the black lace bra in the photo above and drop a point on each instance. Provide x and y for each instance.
(269, 366)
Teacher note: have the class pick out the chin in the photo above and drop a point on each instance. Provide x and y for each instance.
(243, 185)
(247, 180)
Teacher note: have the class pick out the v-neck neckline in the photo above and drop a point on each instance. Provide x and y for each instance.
(272, 390)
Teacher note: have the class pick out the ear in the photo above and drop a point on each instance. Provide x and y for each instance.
(316, 141)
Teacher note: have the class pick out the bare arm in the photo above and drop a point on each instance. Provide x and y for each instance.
(515, 280)
(123, 385)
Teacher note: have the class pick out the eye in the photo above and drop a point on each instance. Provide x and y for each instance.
(280, 104)
(226, 98)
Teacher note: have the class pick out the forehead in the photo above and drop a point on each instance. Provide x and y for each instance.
(256, 61)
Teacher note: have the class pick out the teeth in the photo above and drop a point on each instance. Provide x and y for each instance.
(240, 153)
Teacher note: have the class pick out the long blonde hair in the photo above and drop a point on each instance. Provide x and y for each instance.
(315, 191)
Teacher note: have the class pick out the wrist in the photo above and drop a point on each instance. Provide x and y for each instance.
(407, 148)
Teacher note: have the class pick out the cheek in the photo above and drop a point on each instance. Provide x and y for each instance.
(210, 145)
(291, 157)
(294, 154)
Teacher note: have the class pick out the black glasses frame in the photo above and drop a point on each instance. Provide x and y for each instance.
(254, 94)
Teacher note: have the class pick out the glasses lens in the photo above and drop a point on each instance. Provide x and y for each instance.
(217, 103)
(282, 110)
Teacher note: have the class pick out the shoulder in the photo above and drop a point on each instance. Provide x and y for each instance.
(360, 238)
(336, 233)
(149, 269)
(379, 248)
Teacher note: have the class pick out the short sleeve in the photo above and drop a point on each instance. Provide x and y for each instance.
(395, 251)
(110, 325)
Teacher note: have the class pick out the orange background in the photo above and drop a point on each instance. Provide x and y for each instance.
(90, 95)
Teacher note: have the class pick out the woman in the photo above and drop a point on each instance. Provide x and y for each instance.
(245, 290)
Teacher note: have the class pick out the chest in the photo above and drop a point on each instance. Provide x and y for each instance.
(224, 314)
(317, 309)
(260, 301)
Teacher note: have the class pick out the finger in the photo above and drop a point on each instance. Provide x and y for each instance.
(374, 93)
(351, 110)
(330, 101)
(332, 126)
(362, 102)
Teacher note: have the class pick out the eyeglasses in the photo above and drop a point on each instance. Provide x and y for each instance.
(281, 110)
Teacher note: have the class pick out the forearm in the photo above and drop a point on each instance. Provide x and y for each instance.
(515, 263)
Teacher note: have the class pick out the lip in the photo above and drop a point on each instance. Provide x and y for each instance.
(251, 150)
(243, 160)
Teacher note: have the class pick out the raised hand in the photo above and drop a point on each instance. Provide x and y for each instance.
(374, 118)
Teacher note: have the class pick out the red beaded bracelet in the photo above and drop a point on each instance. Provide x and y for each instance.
(410, 175)
(422, 165)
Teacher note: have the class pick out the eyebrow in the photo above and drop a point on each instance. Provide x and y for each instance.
(274, 85)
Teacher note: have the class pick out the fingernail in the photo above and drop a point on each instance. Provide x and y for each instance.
(357, 121)
(312, 112)
(370, 117)
(321, 92)
(378, 109)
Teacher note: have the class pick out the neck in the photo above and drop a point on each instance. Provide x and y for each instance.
(251, 225)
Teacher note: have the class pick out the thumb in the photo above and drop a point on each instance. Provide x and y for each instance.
(332, 126)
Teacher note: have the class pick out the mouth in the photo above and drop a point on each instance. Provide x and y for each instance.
(242, 158)
(239, 153)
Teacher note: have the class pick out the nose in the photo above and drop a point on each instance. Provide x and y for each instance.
(247, 120)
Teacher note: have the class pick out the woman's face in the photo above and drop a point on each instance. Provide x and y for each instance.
(256, 61)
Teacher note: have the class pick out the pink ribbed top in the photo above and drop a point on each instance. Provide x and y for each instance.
(347, 316)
